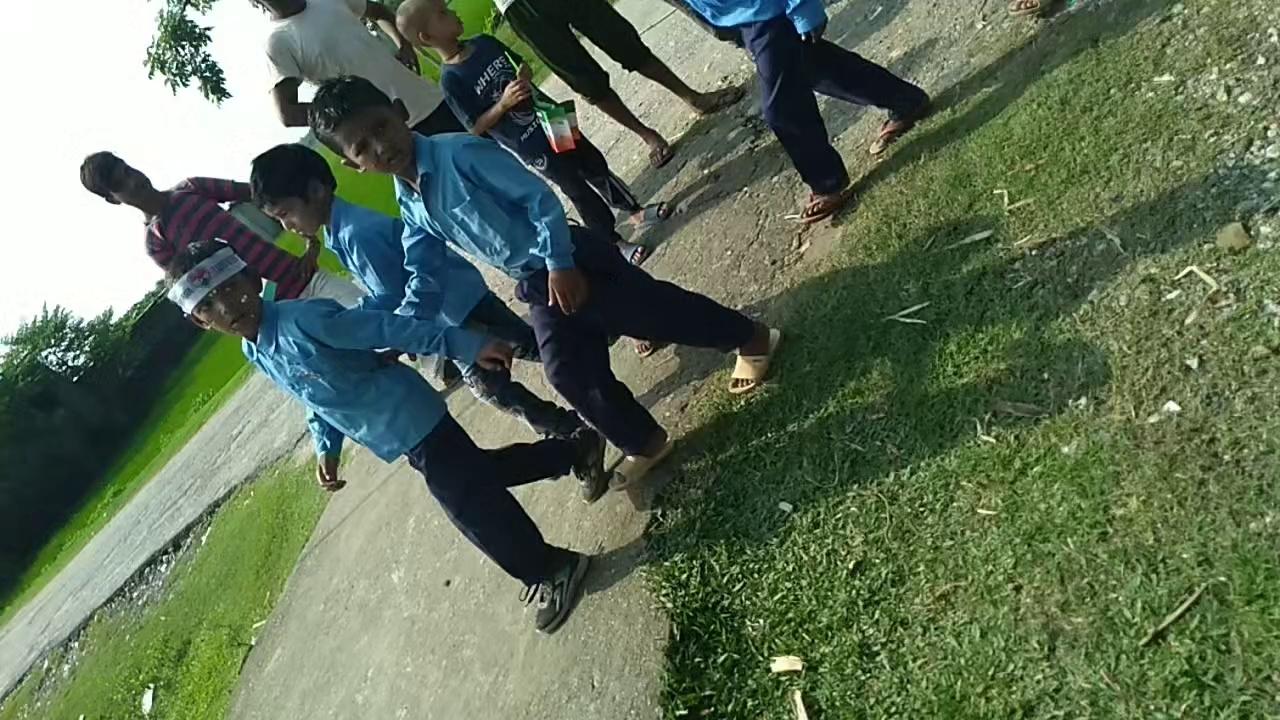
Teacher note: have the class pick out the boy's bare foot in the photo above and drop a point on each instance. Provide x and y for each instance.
(893, 129)
(646, 348)
(656, 444)
(823, 205)
(1019, 8)
(759, 342)
(716, 100)
(754, 359)
(660, 151)
(634, 467)
(649, 215)
(633, 253)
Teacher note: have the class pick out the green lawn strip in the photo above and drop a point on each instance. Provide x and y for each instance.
(943, 557)
(191, 642)
(210, 374)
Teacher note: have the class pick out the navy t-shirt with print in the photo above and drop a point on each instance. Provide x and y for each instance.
(475, 84)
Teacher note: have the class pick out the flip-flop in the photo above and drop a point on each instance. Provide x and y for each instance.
(754, 368)
(646, 348)
(650, 215)
(1023, 8)
(821, 207)
(661, 156)
(633, 468)
(895, 128)
(634, 253)
(723, 98)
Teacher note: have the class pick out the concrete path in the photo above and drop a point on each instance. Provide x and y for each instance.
(390, 613)
(256, 427)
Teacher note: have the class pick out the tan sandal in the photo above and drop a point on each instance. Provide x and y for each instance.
(634, 467)
(1023, 8)
(754, 368)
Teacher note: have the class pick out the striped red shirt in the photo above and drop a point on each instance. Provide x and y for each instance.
(195, 214)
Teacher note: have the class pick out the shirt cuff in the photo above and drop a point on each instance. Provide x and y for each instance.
(463, 345)
(807, 16)
(560, 262)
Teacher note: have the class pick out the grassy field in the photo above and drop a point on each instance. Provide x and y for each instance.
(212, 371)
(191, 642)
(985, 515)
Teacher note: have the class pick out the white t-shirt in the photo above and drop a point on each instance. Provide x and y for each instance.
(328, 39)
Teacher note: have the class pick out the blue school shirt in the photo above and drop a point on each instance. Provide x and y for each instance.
(805, 15)
(480, 199)
(474, 85)
(322, 354)
(369, 245)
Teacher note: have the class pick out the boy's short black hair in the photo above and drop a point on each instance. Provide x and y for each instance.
(189, 257)
(97, 174)
(286, 171)
(337, 100)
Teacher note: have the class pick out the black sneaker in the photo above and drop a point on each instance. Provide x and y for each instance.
(557, 594)
(589, 464)
(561, 423)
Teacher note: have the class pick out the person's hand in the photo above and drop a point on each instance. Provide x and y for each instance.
(524, 72)
(495, 355)
(815, 34)
(567, 290)
(516, 93)
(327, 473)
(408, 57)
(311, 259)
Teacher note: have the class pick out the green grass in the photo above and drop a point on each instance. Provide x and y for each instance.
(191, 642)
(209, 375)
(945, 558)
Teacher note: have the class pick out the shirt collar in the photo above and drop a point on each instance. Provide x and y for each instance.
(266, 332)
(336, 213)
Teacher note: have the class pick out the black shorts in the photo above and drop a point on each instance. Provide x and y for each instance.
(548, 27)
(440, 120)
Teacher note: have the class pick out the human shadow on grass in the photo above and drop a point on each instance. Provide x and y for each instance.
(736, 151)
(1002, 82)
(839, 341)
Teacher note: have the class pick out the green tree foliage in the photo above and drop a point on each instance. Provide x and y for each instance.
(70, 392)
(179, 50)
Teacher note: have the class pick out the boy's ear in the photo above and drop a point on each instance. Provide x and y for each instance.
(401, 110)
(316, 190)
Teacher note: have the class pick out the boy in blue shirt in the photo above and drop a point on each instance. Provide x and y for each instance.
(484, 202)
(488, 86)
(327, 357)
(784, 37)
(293, 184)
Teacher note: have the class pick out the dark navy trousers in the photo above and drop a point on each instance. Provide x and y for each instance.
(792, 70)
(583, 175)
(624, 301)
(471, 485)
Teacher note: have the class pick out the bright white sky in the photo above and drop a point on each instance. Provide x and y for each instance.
(74, 83)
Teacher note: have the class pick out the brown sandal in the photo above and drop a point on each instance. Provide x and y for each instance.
(820, 207)
(895, 128)
(660, 156)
